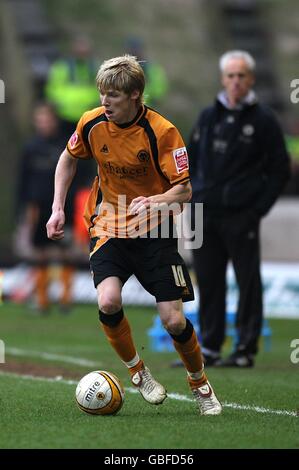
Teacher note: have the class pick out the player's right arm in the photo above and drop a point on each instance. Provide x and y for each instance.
(64, 174)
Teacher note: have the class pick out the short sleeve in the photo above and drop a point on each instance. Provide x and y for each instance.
(173, 157)
(76, 145)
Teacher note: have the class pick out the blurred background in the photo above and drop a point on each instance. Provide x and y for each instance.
(183, 39)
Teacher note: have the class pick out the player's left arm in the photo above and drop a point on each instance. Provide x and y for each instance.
(178, 194)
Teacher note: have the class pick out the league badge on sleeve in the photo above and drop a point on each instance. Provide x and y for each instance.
(181, 159)
(73, 140)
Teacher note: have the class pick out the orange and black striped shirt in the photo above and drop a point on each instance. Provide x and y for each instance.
(142, 158)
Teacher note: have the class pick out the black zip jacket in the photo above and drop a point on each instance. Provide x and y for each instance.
(238, 159)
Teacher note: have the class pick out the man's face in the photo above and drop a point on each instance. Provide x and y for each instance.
(119, 107)
(45, 122)
(237, 79)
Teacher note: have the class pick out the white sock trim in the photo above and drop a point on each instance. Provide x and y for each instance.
(196, 375)
(133, 362)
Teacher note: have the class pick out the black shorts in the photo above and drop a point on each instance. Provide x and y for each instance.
(155, 262)
(40, 239)
(39, 236)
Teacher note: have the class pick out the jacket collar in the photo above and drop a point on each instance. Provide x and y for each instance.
(248, 100)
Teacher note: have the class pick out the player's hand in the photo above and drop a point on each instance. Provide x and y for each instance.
(139, 204)
(55, 225)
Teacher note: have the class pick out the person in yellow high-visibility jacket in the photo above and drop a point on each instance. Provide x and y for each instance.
(156, 87)
(71, 84)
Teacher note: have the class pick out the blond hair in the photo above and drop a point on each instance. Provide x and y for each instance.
(122, 73)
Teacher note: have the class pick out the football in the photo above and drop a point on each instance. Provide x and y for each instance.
(100, 393)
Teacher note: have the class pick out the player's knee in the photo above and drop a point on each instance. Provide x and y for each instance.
(109, 303)
(175, 323)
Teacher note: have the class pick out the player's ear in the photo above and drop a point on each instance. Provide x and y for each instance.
(135, 95)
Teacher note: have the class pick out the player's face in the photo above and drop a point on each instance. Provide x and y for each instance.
(237, 79)
(120, 107)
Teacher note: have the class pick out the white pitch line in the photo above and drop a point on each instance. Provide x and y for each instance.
(52, 357)
(260, 409)
(172, 396)
(58, 378)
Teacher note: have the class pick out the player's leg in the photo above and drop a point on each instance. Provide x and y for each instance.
(119, 335)
(67, 277)
(111, 268)
(41, 286)
(114, 323)
(164, 274)
(186, 343)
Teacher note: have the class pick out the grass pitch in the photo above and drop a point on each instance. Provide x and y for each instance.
(260, 404)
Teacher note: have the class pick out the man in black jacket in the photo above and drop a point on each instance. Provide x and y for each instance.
(239, 166)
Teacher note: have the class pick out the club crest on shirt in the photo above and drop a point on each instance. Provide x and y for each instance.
(143, 156)
(105, 149)
(73, 140)
(181, 159)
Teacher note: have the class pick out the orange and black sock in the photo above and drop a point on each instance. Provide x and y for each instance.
(119, 335)
(188, 348)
